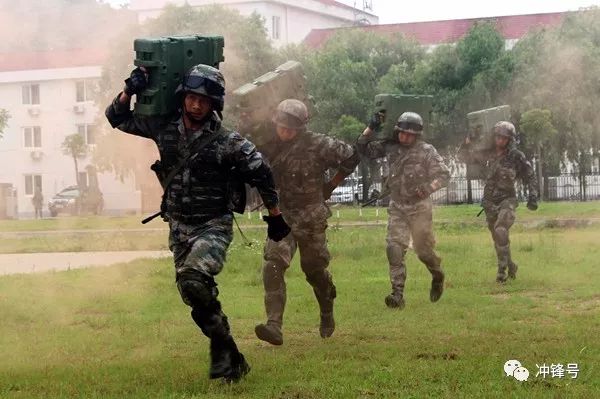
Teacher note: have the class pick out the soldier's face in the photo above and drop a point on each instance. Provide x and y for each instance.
(406, 138)
(285, 133)
(197, 106)
(501, 141)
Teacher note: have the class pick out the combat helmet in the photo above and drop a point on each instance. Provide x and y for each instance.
(204, 80)
(291, 114)
(410, 122)
(506, 129)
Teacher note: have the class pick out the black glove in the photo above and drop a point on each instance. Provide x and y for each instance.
(328, 188)
(277, 228)
(532, 204)
(375, 121)
(136, 82)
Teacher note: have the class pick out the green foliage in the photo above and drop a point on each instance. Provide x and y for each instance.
(558, 70)
(344, 75)
(347, 128)
(74, 146)
(4, 117)
(537, 124)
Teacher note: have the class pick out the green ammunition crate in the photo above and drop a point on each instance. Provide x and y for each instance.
(167, 59)
(394, 105)
(255, 103)
(481, 124)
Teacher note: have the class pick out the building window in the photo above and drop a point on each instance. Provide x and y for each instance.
(88, 133)
(83, 91)
(31, 94)
(32, 137)
(32, 181)
(276, 27)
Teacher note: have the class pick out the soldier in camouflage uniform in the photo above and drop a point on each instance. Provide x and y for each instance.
(504, 164)
(416, 170)
(198, 202)
(299, 159)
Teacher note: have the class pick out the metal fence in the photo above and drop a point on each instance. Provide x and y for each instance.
(565, 187)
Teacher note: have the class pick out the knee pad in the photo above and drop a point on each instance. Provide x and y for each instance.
(431, 260)
(321, 281)
(395, 253)
(501, 234)
(196, 292)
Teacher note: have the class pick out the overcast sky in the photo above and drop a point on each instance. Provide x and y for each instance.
(391, 11)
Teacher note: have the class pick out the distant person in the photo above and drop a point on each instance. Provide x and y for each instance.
(202, 159)
(300, 160)
(416, 170)
(504, 164)
(38, 202)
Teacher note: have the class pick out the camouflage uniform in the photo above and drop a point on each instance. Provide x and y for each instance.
(299, 168)
(500, 197)
(198, 206)
(408, 215)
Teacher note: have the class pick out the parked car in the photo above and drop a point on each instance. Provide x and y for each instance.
(74, 201)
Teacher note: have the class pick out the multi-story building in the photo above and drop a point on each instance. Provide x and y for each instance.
(48, 96)
(287, 21)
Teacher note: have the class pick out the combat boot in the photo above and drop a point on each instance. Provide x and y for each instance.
(395, 301)
(437, 288)
(271, 331)
(512, 270)
(226, 361)
(239, 369)
(327, 326)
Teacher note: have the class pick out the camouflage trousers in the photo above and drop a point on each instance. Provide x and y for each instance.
(199, 253)
(308, 236)
(500, 218)
(404, 221)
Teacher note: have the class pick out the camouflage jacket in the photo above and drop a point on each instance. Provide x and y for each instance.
(409, 167)
(299, 166)
(501, 173)
(206, 185)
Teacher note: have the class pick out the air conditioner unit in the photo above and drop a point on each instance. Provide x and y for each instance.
(79, 108)
(36, 154)
(34, 111)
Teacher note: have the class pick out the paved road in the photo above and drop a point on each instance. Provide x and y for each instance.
(42, 262)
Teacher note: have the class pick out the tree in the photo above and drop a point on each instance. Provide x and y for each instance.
(558, 70)
(74, 146)
(537, 125)
(4, 117)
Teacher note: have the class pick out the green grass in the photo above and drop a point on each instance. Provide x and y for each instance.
(461, 213)
(122, 331)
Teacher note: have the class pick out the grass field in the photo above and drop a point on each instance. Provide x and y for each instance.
(459, 213)
(122, 331)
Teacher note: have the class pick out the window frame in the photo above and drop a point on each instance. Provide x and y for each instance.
(32, 132)
(31, 179)
(29, 96)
